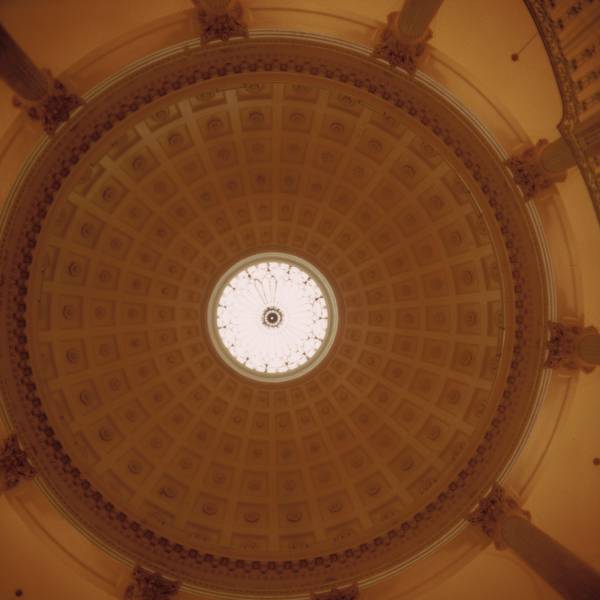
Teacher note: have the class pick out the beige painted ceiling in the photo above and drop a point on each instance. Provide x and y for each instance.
(81, 431)
(415, 408)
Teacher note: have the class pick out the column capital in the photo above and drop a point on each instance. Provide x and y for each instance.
(41, 97)
(150, 586)
(349, 593)
(573, 347)
(398, 49)
(529, 172)
(494, 507)
(54, 108)
(14, 465)
(221, 19)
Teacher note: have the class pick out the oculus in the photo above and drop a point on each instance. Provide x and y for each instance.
(272, 317)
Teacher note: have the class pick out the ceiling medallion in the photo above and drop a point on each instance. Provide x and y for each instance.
(272, 317)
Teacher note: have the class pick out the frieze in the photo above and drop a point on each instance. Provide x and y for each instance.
(267, 59)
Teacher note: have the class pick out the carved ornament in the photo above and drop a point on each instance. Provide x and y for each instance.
(349, 593)
(398, 50)
(150, 586)
(497, 505)
(563, 346)
(529, 173)
(366, 79)
(221, 20)
(563, 57)
(52, 110)
(14, 465)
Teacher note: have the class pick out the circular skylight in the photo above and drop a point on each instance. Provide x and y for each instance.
(272, 316)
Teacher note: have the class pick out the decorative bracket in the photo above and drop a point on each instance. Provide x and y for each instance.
(221, 20)
(14, 465)
(571, 347)
(150, 586)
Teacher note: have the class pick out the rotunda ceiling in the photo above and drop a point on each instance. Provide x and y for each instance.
(114, 243)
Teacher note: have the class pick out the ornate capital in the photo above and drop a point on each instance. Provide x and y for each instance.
(569, 347)
(349, 593)
(221, 19)
(529, 173)
(492, 509)
(399, 50)
(14, 465)
(150, 586)
(52, 109)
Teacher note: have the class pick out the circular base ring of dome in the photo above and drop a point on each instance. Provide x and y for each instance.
(185, 167)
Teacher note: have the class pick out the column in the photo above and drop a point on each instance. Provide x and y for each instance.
(42, 98)
(349, 593)
(415, 17)
(573, 347)
(19, 72)
(502, 519)
(403, 41)
(538, 167)
(150, 586)
(220, 19)
(14, 465)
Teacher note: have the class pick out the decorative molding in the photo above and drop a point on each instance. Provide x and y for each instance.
(372, 81)
(349, 593)
(150, 586)
(52, 110)
(221, 20)
(563, 352)
(574, 93)
(529, 173)
(398, 50)
(497, 505)
(14, 464)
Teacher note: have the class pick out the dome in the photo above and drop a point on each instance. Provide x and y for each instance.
(276, 315)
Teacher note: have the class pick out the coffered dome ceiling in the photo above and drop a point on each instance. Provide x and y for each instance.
(113, 243)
